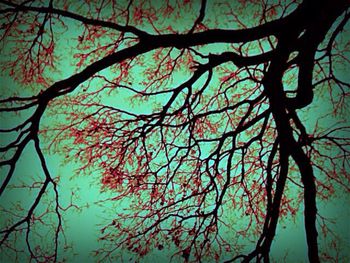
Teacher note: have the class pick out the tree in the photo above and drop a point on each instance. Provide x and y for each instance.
(199, 114)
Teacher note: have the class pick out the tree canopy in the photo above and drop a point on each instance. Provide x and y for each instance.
(205, 122)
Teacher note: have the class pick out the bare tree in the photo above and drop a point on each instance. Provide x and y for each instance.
(190, 133)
